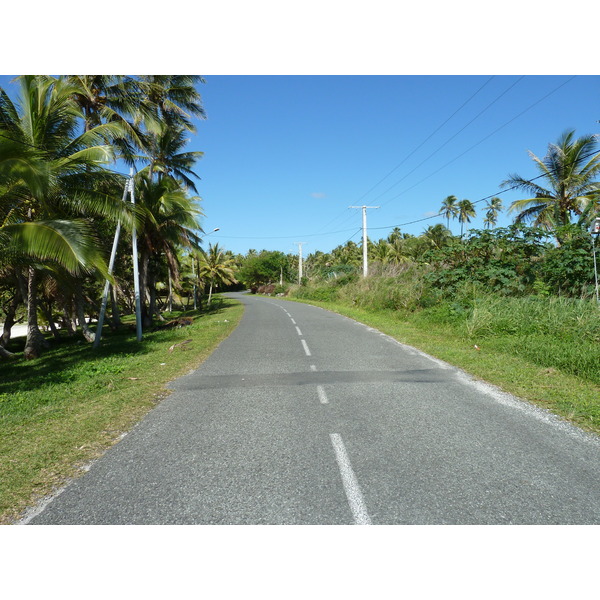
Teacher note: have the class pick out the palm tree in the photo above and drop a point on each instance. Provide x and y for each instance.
(170, 221)
(173, 99)
(494, 206)
(56, 183)
(466, 210)
(166, 158)
(438, 235)
(216, 267)
(449, 209)
(569, 184)
(110, 99)
(380, 252)
(170, 101)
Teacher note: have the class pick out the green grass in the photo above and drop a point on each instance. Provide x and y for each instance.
(545, 351)
(59, 412)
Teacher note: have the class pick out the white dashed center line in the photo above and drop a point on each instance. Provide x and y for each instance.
(353, 493)
(305, 348)
(298, 330)
(322, 394)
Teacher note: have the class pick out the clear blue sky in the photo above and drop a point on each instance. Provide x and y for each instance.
(285, 156)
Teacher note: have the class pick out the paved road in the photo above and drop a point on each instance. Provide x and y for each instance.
(305, 417)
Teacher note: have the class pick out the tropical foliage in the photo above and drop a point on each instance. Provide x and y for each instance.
(216, 268)
(61, 195)
(567, 188)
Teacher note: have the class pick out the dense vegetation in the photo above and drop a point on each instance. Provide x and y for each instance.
(62, 144)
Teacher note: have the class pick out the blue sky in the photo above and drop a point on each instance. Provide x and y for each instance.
(285, 156)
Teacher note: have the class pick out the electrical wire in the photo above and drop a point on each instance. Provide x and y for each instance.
(481, 140)
(411, 153)
(450, 139)
(428, 138)
(498, 193)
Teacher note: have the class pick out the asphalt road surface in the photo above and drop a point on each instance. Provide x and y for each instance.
(305, 417)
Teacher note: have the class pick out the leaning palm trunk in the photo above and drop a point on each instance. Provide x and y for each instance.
(35, 340)
(9, 321)
(210, 293)
(4, 353)
(47, 310)
(116, 315)
(88, 334)
(143, 287)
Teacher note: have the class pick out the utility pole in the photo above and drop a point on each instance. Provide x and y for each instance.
(364, 232)
(595, 232)
(194, 278)
(136, 274)
(136, 281)
(111, 265)
(300, 261)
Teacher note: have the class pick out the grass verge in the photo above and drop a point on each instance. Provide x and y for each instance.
(527, 366)
(63, 410)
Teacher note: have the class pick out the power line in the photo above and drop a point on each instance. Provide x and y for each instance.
(498, 193)
(514, 187)
(413, 151)
(451, 138)
(482, 140)
(428, 138)
(468, 149)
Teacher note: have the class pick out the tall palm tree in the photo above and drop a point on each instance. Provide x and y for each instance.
(466, 210)
(173, 99)
(171, 220)
(216, 267)
(111, 99)
(55, 185)
(568, 183)
(170, 101)
(166, 157)
(449, 209)
(493, 207)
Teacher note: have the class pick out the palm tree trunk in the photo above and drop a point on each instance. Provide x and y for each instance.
(88, 334)
(47, 310)
(143, 272)
(116, 315)
(210, 293)
(9, 321)
(35, 340)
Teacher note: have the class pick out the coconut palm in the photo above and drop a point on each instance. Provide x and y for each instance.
(54, 184)
(173, 99)
(449, 209)
(170, 220)
(380, 251)
(568, 185)
(494, 206)
(216, 267)
(166, 158)
(466, 210)
(111, 99)
(438, 235)
(167, 101)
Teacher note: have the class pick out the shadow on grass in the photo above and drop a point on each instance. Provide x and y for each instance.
(65, 358)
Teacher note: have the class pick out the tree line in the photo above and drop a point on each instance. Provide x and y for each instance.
(547, 249)
(61, 197)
